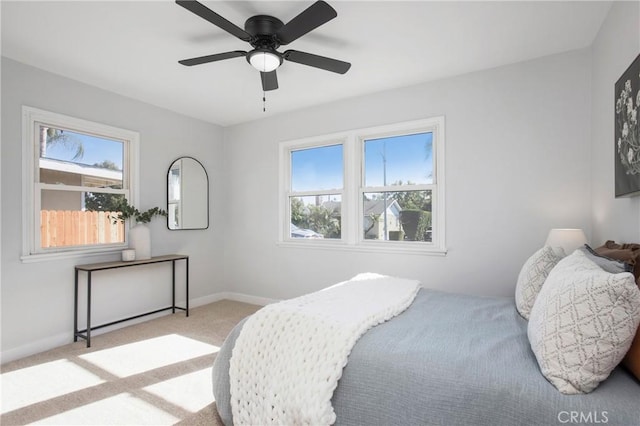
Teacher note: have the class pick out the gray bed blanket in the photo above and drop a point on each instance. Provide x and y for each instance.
(455, 360)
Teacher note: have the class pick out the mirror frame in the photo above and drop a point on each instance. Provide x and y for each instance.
(206, 175)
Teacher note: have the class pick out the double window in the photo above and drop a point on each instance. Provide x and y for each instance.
(76, 174)
(378, 188)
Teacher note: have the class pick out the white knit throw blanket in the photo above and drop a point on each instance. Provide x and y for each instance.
(289, 356)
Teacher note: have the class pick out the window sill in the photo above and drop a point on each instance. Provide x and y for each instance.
(44, 257)
(367, 247)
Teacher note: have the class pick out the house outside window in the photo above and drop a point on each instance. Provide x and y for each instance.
(76, 174)
(383, 187)
(397, 186)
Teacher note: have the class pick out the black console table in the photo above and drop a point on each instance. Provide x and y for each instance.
(90, 268)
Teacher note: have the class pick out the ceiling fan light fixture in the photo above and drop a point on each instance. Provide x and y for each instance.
(265, 34)
(264, 60)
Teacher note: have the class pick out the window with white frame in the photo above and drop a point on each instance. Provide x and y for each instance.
(76, 173)
(315, 196)
(376, 188)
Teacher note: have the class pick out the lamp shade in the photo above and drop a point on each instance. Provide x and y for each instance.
(568, 239)
(264, 61)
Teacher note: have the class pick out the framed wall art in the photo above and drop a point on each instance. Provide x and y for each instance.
(627, 132)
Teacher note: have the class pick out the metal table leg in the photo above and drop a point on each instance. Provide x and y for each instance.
(75, 308)
(187, 284)
(89, 309)
(173, 287)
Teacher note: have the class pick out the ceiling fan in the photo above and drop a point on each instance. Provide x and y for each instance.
(265, 34)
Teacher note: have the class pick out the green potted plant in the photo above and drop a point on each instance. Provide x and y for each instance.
(139, 235)
(127, 211)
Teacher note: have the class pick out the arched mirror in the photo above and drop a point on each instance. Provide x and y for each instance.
(187, 195)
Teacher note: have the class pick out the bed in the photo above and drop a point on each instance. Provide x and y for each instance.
(452, 359)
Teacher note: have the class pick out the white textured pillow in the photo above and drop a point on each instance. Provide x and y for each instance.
(532, 275)
(583, 323)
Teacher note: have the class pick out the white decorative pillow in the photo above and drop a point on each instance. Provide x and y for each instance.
(532, 275)
(583, 323)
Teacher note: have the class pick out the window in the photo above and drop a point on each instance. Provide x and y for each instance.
(76, 172)
(397, 187)
(315, 196)
(379, 188)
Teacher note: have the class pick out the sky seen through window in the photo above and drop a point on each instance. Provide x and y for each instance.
(387, 161)
(96, 149)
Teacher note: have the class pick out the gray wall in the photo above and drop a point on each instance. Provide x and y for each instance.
(517, 164)
(529, 147)
(616, 46)
(37, 298)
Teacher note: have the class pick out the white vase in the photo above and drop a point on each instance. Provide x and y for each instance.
(140, 241)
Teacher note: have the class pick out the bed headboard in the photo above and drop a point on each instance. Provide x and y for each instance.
(627, 252)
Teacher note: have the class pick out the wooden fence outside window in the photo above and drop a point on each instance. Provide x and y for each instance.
(61, 228)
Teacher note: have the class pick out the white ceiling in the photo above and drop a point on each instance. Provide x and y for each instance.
(132, 47)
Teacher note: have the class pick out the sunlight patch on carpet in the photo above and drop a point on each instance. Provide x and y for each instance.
(146, 355)
(190, 391)
(42, 382)
(122, 409)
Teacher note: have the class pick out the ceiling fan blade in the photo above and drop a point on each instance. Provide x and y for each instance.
(311, 18)
(205, 13)
(269, 80)
(212, 58)
(317, 61)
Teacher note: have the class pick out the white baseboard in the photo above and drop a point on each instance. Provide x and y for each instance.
(35, 347)
(66, 338)
(229, 295)
(247, 298)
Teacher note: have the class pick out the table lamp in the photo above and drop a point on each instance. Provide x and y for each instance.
(568, 239)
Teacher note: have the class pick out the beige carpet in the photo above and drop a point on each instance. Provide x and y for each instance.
(157, 372)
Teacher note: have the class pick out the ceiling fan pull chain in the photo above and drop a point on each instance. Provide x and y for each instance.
(264, 101)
